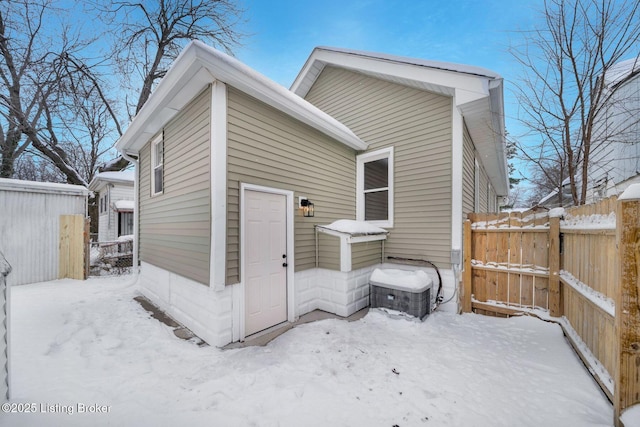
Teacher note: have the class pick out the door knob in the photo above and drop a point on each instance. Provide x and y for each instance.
(284, 264)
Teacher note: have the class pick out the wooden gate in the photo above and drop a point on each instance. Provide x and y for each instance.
(74, 247)
(582, 272)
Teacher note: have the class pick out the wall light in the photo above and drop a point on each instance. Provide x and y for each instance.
(307, 207)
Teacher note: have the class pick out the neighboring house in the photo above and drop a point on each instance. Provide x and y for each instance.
(552, 200)
(226, 160)
(115, 195)
(615, 159)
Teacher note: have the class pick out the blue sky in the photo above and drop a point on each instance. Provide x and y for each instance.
(284, 32)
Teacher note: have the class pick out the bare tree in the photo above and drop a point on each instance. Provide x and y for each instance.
(18, 53)
(561, 92)
(57, 104)
(38, 85)
(148, 36)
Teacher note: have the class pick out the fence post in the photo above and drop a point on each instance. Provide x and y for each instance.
(555, 297)
(466, 274)
(5, 269)
(627, 311)
(87, 247)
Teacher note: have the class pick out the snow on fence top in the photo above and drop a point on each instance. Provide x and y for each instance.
(598, 216)
(593, 221)
(631, 193)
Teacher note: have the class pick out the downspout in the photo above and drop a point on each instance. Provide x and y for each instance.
(136, 234)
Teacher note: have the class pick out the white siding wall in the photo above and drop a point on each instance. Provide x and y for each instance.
(108, 221)
(204, 310)
(30, 231)
(615, 154)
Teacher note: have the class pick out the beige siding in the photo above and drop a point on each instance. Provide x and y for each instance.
(328, 251)
(175, 227)
(418, 125)
(483, 192)
(365, 254)
(267, 147)
(468, 176)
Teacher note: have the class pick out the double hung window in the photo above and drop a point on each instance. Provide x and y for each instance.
(375, 187)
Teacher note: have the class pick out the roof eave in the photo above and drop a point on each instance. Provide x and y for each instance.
(469, 85)
(199, 65)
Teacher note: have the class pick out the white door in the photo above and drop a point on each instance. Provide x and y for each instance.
(265, 240)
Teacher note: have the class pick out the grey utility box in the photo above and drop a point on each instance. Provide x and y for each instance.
(401, 290)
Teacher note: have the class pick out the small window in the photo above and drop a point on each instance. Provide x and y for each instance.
(125, 223)
(103, 204)
(157, 166)
(375, 187)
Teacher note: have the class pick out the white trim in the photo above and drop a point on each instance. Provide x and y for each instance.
(457, 163)
(384, 153)
(154, 143)
(442, 75)
(237, 312)
(476, 185)
(353, 239)
(197, 66)
(218, 163)
(367, 238)
(240, 308)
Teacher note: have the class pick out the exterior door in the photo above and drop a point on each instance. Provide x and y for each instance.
(265, 231)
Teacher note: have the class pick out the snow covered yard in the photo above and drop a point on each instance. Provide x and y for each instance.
(89, 343)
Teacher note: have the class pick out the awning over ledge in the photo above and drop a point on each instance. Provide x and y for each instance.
(124, 205)
(354, 231)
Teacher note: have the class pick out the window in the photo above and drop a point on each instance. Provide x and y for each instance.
(157, 166)
(125, 223)
(103, 204)
(375, 187)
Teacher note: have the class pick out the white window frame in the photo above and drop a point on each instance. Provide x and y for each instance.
(361, 160)
(154, 164)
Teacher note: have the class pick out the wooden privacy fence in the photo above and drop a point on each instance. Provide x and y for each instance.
(579, 267)
(74, 247)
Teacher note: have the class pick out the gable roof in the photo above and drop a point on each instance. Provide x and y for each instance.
(199, 65)
(122, 177)
(622, 71)
(478, 94)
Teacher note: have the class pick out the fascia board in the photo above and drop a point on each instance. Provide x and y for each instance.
(448, 80)
(199, 65)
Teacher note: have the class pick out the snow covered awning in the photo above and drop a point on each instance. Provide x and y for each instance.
(354, 231)
(124, 205)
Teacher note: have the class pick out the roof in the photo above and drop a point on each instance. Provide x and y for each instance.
(478, 94)
(197, 66)
(122, 177)
(124, 205)
(621, 70)
(42, 187)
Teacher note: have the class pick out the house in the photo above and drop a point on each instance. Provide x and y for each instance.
(553, 200)
(615, 157)
(231, 166)
(115, 194)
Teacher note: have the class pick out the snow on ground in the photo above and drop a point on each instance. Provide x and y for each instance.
(89, 343)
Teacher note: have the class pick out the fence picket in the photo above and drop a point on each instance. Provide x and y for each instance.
(528, 260)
